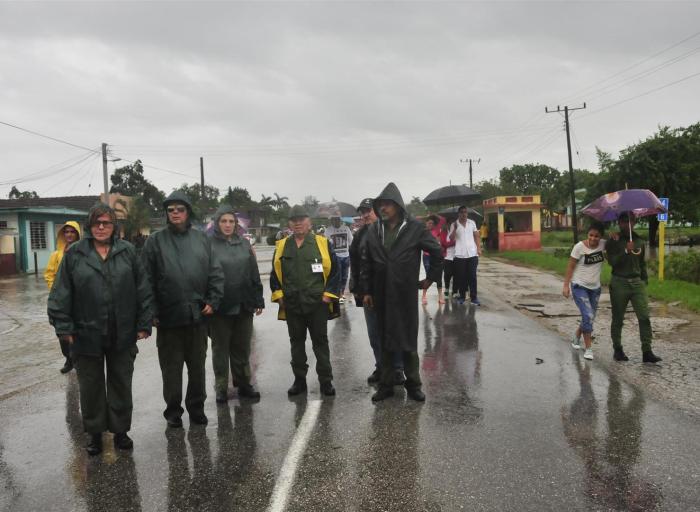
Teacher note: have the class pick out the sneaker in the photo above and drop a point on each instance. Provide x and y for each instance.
(476, 302)
(460, 301)
(588, 354)
(576, 342)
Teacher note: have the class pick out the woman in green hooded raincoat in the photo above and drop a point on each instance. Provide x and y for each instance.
(100, 304)
(231, 326)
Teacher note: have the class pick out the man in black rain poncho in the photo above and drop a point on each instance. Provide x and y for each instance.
(390, 269)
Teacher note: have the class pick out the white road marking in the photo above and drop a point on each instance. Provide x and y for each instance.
(280, 494)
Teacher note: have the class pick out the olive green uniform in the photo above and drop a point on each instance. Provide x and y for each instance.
(303, 303)
(102, 304)
(628, 284)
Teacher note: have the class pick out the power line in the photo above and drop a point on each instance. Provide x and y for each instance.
(51, 170)
(45, 136)
(650, 91)
(586, 89)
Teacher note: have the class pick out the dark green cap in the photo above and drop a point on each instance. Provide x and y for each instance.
(297, 211)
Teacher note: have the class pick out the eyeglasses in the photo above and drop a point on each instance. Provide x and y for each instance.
(102, 224)
(178, 209)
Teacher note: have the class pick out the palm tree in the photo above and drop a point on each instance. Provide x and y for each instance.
(280, 201)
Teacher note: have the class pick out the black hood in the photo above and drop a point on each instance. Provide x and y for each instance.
(178, 196)
(391, 192)
(221, 211)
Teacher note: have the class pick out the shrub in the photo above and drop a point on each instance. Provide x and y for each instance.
(684, 266)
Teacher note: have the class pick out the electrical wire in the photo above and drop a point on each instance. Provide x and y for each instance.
(646, 93)
(26, 130)
(52, 170)
(582, 92)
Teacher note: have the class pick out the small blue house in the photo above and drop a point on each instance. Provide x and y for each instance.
(34, 223)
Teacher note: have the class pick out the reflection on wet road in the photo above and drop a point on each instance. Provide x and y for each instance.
(497, 432)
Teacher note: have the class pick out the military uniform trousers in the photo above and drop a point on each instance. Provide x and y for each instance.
(316, 322)
(230, 347)
(411, 369)
(623, 291)
(106, 403)
(179, 346)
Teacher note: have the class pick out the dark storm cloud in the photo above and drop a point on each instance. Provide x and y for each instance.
(348, 95)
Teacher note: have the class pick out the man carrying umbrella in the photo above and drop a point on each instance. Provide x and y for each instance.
(628, 284)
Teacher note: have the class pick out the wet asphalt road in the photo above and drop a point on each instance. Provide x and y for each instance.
(497, 432)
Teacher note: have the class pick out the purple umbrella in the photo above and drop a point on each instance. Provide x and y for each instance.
(640, 202)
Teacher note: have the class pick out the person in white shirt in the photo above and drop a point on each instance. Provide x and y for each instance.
(341, 237)
(582, 280)
(466, 260)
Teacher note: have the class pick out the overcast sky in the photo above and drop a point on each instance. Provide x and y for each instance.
(333, 99)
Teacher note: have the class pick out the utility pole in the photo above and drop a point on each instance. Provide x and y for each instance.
(574, 220)
(469, 161)
(201, 172)
(105, 173)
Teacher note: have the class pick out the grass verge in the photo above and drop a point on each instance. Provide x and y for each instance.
(669, 290)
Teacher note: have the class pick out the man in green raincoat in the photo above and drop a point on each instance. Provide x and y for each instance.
(188, 284)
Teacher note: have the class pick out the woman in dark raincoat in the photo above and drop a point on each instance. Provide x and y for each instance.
(231, 327)
(100, 303)
(389, 276)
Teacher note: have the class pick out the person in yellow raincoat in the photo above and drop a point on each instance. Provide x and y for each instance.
(67, 235)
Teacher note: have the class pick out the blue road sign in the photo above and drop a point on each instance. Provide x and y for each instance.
(663, 217)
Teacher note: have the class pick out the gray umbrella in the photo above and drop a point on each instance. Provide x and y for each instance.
(335, 209)
(451, 194)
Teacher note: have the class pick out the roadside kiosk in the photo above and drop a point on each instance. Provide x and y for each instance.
(513, 222)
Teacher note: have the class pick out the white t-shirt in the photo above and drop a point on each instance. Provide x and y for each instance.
(589, 265)
(341, 238)
(465, 246)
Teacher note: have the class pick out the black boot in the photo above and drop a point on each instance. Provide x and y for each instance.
(382, 393)
(67, 366)
(248, 391)
(620, 355)
(374, 378)
(415, 394)
(399, 378)
(650, 357)
(298, 387)
(123, 441)
(327, 389)
(94, 446)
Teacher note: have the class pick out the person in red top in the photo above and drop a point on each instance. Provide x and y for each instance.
(433, 224)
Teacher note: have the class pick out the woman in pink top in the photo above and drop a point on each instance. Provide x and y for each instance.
(434, 224)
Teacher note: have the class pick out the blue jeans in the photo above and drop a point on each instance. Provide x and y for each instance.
(587, 302)
(344, 267)
(375, 341)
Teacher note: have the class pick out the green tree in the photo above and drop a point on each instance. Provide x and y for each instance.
(130, 181)
(137, 215)
(16, 194)
(201, 204)
(534, 179)
(310, 204)
(417, 207)
(668, 164)
(493, 188)
(239, 198)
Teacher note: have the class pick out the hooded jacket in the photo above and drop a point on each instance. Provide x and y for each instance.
(79, 303)
(56, 256)
(390, 276)
(242, 286)
(183, 272)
